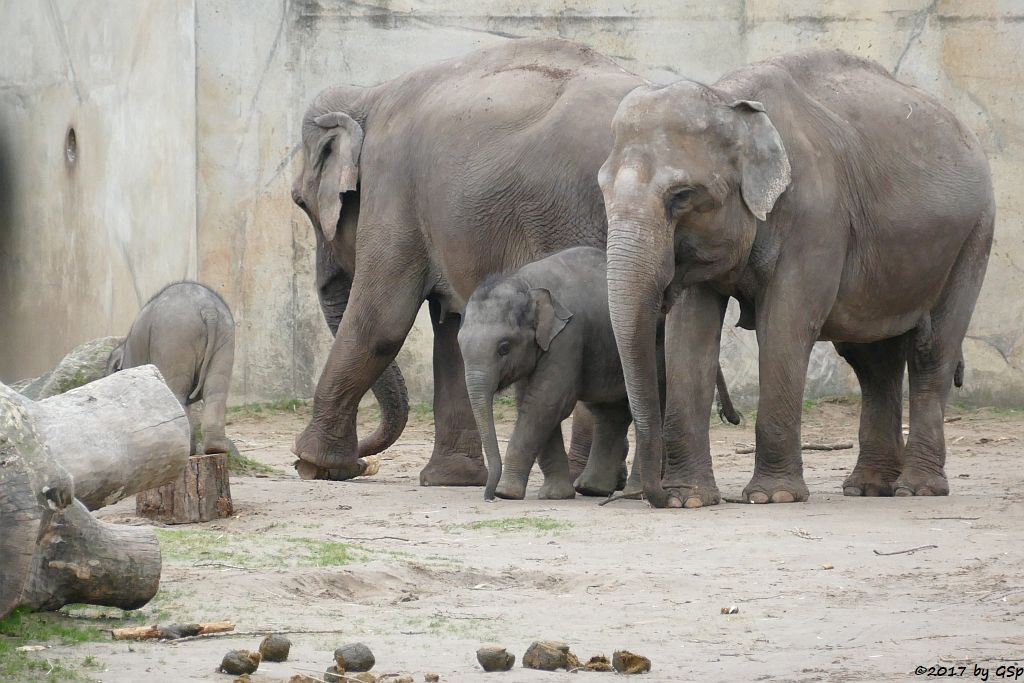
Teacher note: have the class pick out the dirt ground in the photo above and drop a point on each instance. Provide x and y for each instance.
(426, 575)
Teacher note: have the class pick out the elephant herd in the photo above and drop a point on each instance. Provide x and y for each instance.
(830, 200)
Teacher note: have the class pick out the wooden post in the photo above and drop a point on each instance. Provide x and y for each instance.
(202, 492)
(52, 551)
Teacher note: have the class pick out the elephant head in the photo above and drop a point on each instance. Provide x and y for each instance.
(506, 328)
(691, 173)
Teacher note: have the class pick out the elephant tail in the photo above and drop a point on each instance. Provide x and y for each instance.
(210, 319)
(726, 410)
(958, 373)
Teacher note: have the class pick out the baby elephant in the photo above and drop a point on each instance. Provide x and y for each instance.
(546, 329)
(187, 332)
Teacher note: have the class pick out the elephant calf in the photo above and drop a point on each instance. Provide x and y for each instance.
(546, 329)
(187, 331)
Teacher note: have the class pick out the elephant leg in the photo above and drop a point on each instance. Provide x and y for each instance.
(603, 473)
(933, 353)
(789, 320)
(191, 412)
(215, 400)
(380, 313)
(457, 459)
(879, 368)
(537, 420)
(693, 333)
(555, 466)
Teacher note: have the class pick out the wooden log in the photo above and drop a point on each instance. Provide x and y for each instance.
(51, 550)
(172, 632)
(201, 493)
(117, 436)
(81, 559)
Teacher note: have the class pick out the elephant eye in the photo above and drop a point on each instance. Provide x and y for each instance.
(504, 347)
(679, 198)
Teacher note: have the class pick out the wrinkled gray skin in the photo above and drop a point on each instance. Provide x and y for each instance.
(546, 330)
(187, 331)
(834, 203)
(418, 189)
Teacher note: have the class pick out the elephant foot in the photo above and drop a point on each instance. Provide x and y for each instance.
(511, 489)
(325, 451)
(765, 489)
(363, 467)
(870, 482)
(600, 483)
(693, 496)
(915, 482)
(454, 469)
(556, 489)
(216, 444)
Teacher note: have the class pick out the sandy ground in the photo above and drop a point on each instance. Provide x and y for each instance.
(434, 572)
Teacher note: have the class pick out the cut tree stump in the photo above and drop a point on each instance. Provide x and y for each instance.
(102, 442)
(201, 493)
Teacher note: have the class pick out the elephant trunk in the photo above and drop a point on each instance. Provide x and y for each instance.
(333, 288)
(481, 396)
(640, 266)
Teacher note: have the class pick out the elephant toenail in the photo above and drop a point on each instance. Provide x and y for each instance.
(693, 502)
(758, 497)
(904, 492)
(673, 502)
(925, 491)
(783, 497)
(852, 491)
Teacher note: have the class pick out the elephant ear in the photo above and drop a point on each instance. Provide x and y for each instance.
(336, 155)
(550, 316)
(764, 165)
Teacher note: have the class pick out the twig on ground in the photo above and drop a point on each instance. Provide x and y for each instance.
(735, 500)
(811, 446)
(372, 538)
(908, 550)
(952, 418)
(954, 518)
(621, 496)
(262, 632)
(215, 563)
(803, 533)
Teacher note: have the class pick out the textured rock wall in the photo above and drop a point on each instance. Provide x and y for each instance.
(90, 228)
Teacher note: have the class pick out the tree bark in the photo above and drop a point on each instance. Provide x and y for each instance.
(202, 492)
(102, 442)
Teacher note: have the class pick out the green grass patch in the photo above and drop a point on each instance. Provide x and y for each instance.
(291, 405)
(424, 410)
(244, 466)
(518, 524)
(22, 627)
(254, 552)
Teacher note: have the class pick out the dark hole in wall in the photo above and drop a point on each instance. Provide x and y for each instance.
(71, 146)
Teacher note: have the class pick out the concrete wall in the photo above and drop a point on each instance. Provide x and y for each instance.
(258, 64)
(87, 236)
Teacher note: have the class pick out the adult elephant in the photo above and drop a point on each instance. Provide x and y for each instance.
(834, 203)
(421, 187)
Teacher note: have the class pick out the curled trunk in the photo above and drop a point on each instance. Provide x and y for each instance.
(333, 288)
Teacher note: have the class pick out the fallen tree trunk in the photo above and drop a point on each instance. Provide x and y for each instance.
(81, 559)
(52, 551)
(115, 437)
